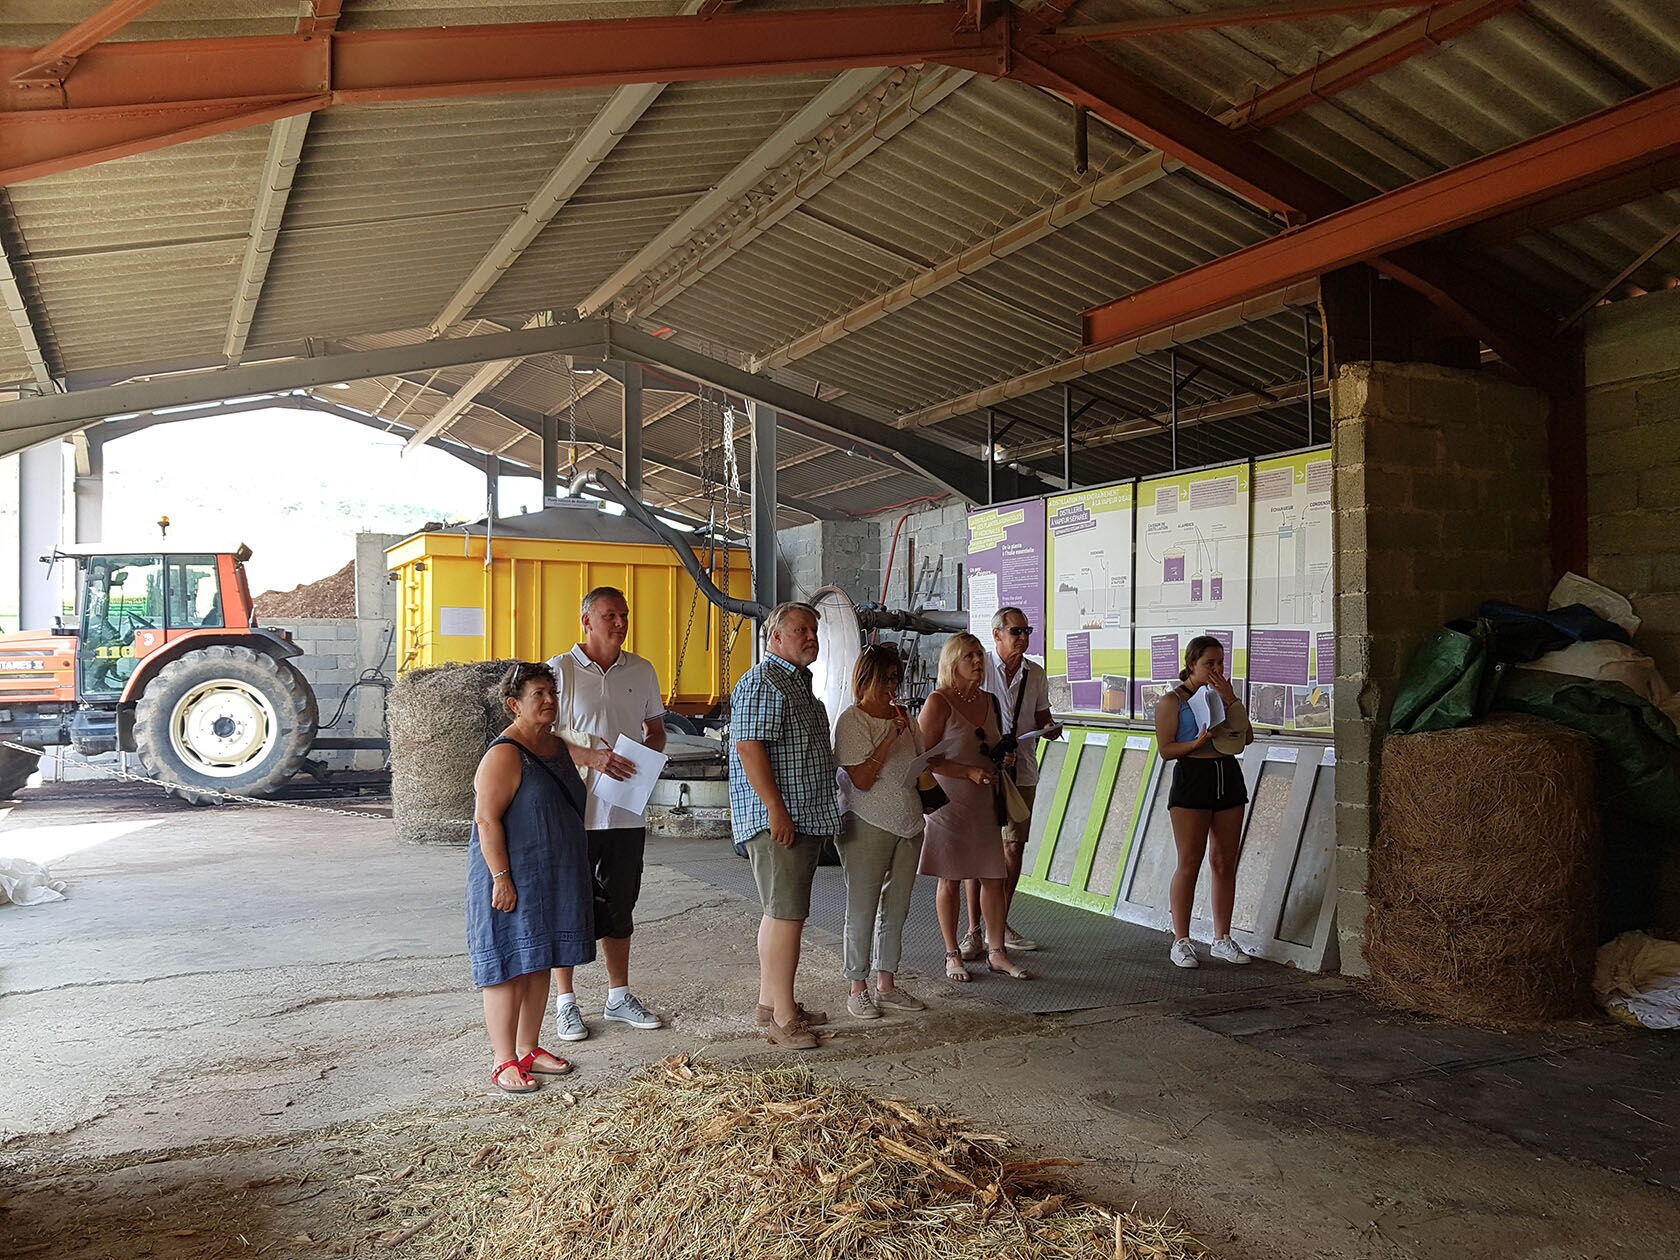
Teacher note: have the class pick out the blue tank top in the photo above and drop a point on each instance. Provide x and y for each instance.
(1187, 720)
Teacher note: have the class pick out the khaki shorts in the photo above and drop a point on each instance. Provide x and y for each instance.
(1014, 832)
(783, 875)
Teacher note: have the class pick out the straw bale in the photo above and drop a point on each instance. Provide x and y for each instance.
(440, 721)
(695, 1162)
(1484, 876)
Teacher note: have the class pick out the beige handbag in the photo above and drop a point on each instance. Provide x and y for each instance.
(1015, 807)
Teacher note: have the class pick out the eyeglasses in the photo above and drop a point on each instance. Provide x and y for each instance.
(1020, 631)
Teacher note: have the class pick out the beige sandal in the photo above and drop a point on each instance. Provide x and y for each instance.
(954, 969)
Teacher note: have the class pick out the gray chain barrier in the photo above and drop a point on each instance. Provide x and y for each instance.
(131, 777)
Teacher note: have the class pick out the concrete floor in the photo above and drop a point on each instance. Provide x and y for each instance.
(232, 998)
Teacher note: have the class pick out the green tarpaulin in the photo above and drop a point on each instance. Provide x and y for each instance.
(1470, 669)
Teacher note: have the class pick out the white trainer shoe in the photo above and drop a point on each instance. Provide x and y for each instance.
(1184, 954)
(1227, 950)
(568, 1023)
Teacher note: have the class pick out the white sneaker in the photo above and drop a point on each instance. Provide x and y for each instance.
(1184, 954)
(1227, 950)
(862, 1006)
(568, 1023)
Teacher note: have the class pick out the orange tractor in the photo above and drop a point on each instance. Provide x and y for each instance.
(166, 660)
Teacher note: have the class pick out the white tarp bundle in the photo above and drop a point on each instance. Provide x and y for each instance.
(25, 884)
(1638, 980)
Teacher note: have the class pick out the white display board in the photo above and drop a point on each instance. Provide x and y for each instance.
(1089, 536)
(1291, 649)
(1192, 574)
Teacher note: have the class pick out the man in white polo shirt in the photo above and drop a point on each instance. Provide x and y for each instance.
(1023, 695)
(606, 692)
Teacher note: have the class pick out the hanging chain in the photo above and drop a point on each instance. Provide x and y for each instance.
(571, 416)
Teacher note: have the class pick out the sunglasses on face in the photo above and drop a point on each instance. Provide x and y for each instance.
(1020, 631)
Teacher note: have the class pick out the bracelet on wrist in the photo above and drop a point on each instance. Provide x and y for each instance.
(502, 874)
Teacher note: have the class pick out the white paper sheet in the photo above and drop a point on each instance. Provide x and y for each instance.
(921, 762)
(1201, 708)
(631, 794)
(1044, 732)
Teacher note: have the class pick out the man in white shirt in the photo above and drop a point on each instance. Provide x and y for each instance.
(606, 692)
(1023, 695)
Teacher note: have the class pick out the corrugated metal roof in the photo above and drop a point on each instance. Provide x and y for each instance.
(687, 141)
(31, 23)
(138, 258)
(393, 205)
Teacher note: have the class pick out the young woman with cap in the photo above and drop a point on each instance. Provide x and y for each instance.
(1208, 793)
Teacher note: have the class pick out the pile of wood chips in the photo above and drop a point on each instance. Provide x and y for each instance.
(695, 1162)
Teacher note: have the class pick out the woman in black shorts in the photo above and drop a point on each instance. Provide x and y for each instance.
(1207, 797)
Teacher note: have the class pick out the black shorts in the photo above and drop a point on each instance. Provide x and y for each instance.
(1212, 783)
(615, 854)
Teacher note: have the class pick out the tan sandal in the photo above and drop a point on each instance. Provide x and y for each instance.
(954, 969)
(1012, 971)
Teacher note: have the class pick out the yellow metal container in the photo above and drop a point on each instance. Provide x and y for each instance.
(524, 605)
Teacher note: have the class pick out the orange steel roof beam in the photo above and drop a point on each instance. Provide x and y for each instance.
(134, 97)
(1386, 49)
(1603, 147)
(1213, 19)
(52, 62)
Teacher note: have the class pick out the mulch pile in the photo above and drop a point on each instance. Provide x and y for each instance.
(333, 596)
(696, 1162)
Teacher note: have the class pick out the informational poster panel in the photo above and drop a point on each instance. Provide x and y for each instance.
(1089, 636)
(1291, 649)
(1192, 575)
(1006, 568)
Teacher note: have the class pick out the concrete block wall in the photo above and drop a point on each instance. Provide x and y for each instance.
(331, 661)
(338, 650)
(1633, 463)
(935, 541)
(1441, 503)
(831, 553)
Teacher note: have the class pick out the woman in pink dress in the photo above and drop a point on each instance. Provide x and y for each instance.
(963, 839)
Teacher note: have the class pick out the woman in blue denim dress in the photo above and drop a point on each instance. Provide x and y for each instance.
(530, 892)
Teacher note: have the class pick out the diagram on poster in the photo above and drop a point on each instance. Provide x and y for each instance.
(1006, 568)
(1089, 637)
(1291, 658)
(1192, 574)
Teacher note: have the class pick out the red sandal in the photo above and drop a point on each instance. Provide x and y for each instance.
(527, 1085)
(528, 1064)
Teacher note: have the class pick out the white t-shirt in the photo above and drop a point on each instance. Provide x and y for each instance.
(596, 707)
(1029, 675)
(892, 805)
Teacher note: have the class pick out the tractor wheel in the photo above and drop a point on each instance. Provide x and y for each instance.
(227, 719)
(15, 769)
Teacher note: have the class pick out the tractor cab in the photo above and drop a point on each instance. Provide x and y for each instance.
(138, 603)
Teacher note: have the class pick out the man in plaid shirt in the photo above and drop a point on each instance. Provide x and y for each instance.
(782, 806)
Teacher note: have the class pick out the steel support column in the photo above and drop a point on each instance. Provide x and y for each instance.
(1307, 355)
(492, 487)
(1067, 435)
(89, 489)
(991, 456)
(763, 502)
(631, 427)
(1172, 403)
(40, 473)
(1566, 448)
(550, 458)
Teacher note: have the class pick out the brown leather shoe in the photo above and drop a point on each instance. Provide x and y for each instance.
(793, 1036)
(813, 1019)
